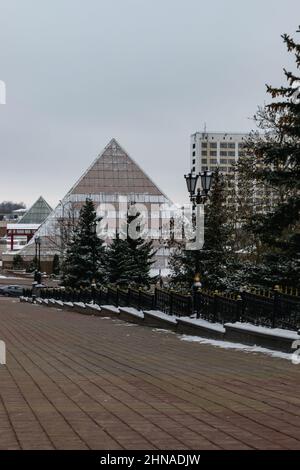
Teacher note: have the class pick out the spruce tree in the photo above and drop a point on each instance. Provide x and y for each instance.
(183, 267)
(85, 257)
(138, 253)
(277, 155)
(141, 252)
(120, 265)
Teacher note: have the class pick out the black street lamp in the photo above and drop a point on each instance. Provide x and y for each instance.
(206, 177)
(206, 180)
(191, 182)
(38, 252)
(198, 198)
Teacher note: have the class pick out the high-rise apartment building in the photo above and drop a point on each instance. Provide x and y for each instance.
(209, 150)
(215, 149)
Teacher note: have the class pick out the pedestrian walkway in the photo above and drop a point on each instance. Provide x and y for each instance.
(81, 382)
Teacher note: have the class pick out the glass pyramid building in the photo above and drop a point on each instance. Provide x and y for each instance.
(37, 213)
(113, 177)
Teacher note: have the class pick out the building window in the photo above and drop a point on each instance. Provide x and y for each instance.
(223, 161)
(231, 154)
(204, 153)
(204, 145)
(223, 145)
(213, 153)
(231, 146)
(213, 161)
(223, 154)
(204, 161)
(194, 154)
(193, 169)
(194, 146)
(194, 161)
(213, 145)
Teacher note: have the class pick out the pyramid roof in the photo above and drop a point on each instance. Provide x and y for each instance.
(37, 213)
(115, 172)
(112, 173)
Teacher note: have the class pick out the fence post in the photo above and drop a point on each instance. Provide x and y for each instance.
(117, 297)
(128, 297)
(239, 308)
(190, 305)
(215, 306)
(171, 302)
(275, 305)
(155, 299)
(194, 302)
(93, 293)
(139, 303)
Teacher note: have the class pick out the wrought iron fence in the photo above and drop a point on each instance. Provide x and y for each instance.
(271, 309)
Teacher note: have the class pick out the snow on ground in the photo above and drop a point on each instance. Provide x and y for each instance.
(162, 330)
(236, 346)
(9, 277)
(133, 311)
(111, 308)
(94, 306)
(79, 304)
(162, 315)
(69, 304)
(267, 331)
(204, 323)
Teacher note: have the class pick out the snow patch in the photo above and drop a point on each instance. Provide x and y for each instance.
(111, 308)
(94, 306)
(162, 315)
(279, 332)
(204, 323)
(236, 346)
(162, 330)
(132, 311)
(10, 277)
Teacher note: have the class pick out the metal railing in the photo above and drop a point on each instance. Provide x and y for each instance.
(273, 309)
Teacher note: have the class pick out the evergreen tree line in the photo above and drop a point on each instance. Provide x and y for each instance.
(252, 240)
(87, 259)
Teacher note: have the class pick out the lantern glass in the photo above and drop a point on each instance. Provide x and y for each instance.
(191, 182)
(206, 180)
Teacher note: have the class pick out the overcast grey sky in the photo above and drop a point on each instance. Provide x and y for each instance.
(147, 72)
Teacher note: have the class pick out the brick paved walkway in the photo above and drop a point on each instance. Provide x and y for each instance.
(78, 382)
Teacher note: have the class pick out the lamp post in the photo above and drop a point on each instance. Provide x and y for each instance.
(94, 260)
(198, 198)
(38, 252)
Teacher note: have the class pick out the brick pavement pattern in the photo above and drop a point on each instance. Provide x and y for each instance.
(80, 382)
